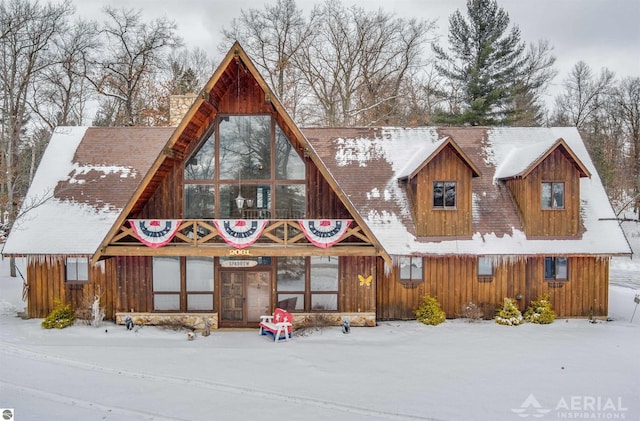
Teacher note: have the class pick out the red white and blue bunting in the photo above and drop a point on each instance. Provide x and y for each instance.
(324, 232)
(240, 233)
(155, 232)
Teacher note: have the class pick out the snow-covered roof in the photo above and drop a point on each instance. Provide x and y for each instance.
(420, 156)
(85, 178)
(522, 158)
(88, 176)
(369, 180)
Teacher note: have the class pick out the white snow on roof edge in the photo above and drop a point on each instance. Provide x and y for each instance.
(46, 225)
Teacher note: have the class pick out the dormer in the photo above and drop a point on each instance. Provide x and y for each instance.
(438, 180)
(544, 180)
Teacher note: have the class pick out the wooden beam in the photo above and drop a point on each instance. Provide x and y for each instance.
(226, 251)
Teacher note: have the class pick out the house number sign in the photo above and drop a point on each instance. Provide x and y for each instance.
(239, 252)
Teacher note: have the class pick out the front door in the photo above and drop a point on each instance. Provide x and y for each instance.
(245, 296)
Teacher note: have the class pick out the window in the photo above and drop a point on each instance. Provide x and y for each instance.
(552, 195)
(485, 267)
(556, 268)
(199, 283)
(77, 269)
(411, 269)
(173, 293)
(308, 283)
(444, 194)
(291, 282)
(324, 283)
(246, 156)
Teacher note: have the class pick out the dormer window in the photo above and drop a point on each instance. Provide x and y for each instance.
(552, 195)
(444, 194)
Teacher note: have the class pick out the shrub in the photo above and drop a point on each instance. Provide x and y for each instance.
(430, 312)
(471, 312)
(62, 316)
(509, 314)
(540, 311)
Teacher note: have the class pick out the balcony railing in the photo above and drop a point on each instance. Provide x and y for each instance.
(195, 233)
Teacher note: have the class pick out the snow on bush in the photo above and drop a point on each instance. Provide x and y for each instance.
(540, 311)
(62, 316)
(430, 312)
(509, 315)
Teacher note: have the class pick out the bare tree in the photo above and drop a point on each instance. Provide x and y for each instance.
(272, 37)
(188, 70)
(133, 51)
(61, 91)
(527, 107)
(28, 30)
(607, 112)
(579, 101)
(357, 62)
(627, 99)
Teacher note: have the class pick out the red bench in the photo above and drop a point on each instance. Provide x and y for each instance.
(278, 326)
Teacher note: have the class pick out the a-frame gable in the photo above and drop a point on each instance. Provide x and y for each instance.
(199, 118)
(522, 161)
(423, 157)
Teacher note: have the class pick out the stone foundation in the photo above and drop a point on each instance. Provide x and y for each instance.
(332, 319)
(195, 321)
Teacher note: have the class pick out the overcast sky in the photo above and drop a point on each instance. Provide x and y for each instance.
(603, 33)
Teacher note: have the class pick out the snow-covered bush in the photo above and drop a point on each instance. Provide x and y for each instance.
(471, 312)
(540, 311)
(430, 312)
(509, 314)
(62, 316)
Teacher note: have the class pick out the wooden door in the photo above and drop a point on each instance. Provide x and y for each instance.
(232, 297)
(245, 296)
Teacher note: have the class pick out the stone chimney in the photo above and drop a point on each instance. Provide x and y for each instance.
(178, 107)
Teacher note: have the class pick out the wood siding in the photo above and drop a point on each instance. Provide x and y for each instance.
(528, 197)
(134, 284)
(47, 287)
(585, 293)
(453, 281)
(322, 201)
(356, 298)
(446, 166)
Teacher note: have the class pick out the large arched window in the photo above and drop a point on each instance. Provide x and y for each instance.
(245, 168)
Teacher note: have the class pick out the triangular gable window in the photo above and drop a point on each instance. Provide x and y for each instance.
(246, 168)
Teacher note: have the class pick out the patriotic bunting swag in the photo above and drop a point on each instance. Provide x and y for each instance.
(324, 232)
(155, 232)
(240, 233)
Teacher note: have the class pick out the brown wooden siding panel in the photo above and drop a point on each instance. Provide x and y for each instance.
(354, 297)
(446, 166)
(585, 293)
(527, 195)
(134, 284)
(47, 287)
(453, 281)
(322, 201)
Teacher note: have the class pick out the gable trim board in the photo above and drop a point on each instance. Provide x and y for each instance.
(97, 178)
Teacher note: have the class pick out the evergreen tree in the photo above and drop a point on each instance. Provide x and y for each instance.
(486, 59)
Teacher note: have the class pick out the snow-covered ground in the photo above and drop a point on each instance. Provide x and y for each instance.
(571, 369)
